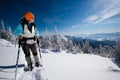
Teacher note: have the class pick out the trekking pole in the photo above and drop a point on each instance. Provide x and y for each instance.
(40, 52)
(17, 59)
(39, 48)
(41, 57)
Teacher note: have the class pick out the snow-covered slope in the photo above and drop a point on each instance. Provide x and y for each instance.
(5, 43)
(80, 67)
(8, 56)
(61, 66)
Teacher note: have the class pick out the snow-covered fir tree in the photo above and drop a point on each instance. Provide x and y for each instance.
(2, 25)
(77, 48)
(10, 35)
(2, 30)
(117, 49)
(101, 50)
(6, 34)
(47, 36)
(104, 51)
(56, 41)
(63, 42)
(86, 47)
(70, 47)
(46, 41)
(109, 51)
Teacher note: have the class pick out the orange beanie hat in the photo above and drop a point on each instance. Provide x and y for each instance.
(28, 16)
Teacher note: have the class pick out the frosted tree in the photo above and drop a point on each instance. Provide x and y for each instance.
(2, 27)
(78, 48)
(101, 50)
(47, 36)
(9, 29)
(70, 47)
(46, 42)
(109, 51)
(62, 41)
(2, 30)
(56, 42)
(10, 35)
(63, 44)
(86, 47)
(117, 49)
(56, 35)
(6, 34)
(105, 51)
(96, 51)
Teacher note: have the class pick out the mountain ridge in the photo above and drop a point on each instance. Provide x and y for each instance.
(100, 36)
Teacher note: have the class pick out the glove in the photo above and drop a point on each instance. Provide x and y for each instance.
(20, 37)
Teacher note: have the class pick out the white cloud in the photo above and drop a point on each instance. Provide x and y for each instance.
(108, 15)
(112, 21)
(76, 26)
(92, 18)
(105, 9)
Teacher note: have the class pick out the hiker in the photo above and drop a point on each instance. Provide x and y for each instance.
(28, 39)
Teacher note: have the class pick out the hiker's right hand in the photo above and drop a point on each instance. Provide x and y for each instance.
(20, 37)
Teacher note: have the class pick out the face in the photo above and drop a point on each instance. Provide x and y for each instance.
(31, 21)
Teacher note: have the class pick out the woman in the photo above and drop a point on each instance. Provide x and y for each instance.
(28, 39)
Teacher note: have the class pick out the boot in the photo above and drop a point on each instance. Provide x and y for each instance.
(37, 64)
(30, 67)
(29, 63)
(37, 60)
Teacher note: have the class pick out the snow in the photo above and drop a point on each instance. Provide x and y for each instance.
(80, 67)
(63, 37)
(5, 43)
(59, 66)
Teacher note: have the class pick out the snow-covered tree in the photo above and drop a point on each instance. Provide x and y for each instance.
(101, 50)
(78, 48)
(6, 34)
(70, 47)
(47, 36)
(10, 35)
(117, 49)
(95, 51)
(2, 25)
(104, 51)
(56, 41)
(86, 47)
(2, 30)
(62, 42)
(109, 51)
(46, 41)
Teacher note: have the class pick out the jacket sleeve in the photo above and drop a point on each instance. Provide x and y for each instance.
(36, 32)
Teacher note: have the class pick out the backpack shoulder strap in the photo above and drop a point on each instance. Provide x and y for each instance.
(22, 22)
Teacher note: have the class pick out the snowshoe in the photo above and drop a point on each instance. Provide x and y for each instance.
(38, 64)
(28, 68)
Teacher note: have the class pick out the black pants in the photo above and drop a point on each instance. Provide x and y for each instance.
(27, 47)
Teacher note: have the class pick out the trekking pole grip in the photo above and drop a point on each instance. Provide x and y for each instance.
(38, 42)
(19, 43)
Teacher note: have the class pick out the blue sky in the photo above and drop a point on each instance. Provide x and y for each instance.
(71, 17)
